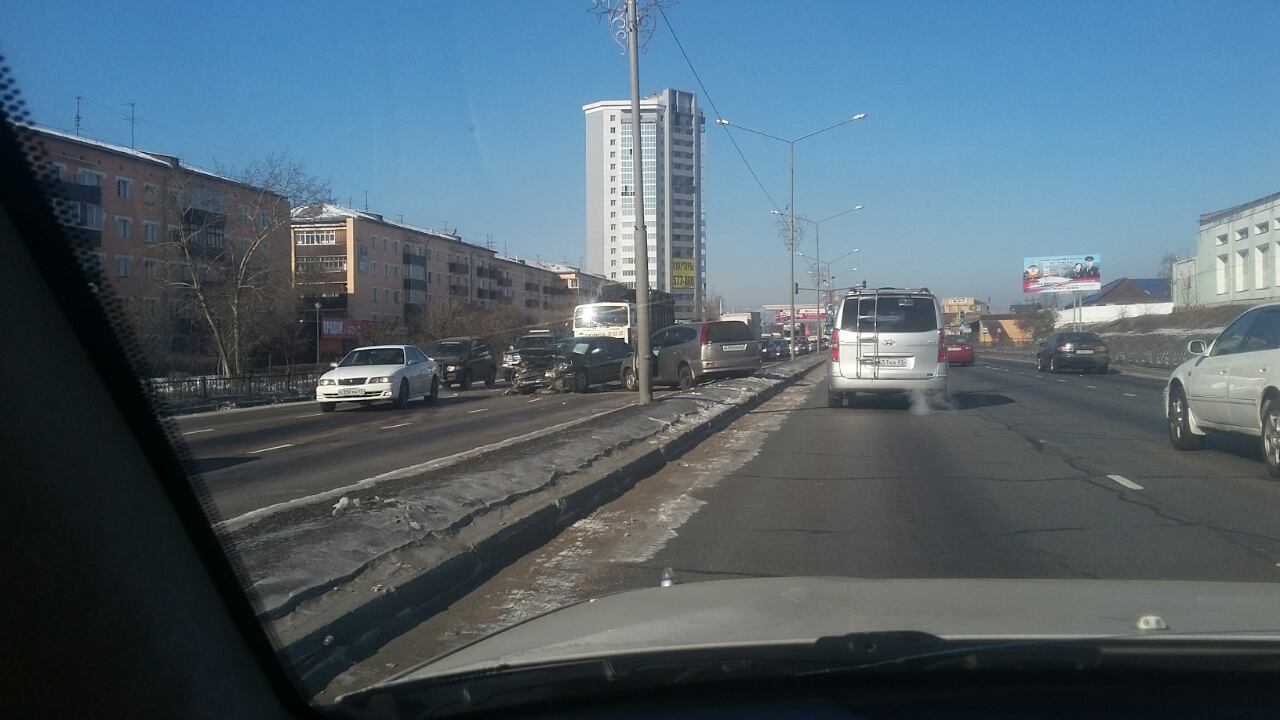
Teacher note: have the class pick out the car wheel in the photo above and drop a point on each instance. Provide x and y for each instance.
(629, 380)
(835, 400)
(465, 382)
(433, 397)
(328, 407)
(579, 381)
(493, 377)
(1271, 437)
(1180, 435)
(402, 397)
(686, 377)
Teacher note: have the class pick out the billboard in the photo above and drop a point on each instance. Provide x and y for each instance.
(683, 274)
(1062, 273)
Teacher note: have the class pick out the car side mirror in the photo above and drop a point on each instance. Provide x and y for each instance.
(597, 351)
(333, 365)
(1197, 347)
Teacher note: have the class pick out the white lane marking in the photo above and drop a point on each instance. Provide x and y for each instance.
(476, 411)
(1128, 395)
(1092, 387)
(453, 395)
(276, 447)
(1125, 482)
(193, 432)
(311, 415)
(535, 400)
(1060, 380)
(253, 516)
(392, 427)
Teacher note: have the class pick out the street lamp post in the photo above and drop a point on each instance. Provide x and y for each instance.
(791, 207)
(820, 264)
(817, 251)
(317, 305)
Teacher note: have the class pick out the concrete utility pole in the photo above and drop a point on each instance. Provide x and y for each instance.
(641, 243)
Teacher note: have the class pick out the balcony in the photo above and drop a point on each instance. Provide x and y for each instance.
(415, 284)
(327, 302)
(532, 287)
(459, 268)
(504, 282)
(411, 259)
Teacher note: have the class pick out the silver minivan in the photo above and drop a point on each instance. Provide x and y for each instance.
(888, 340)
(684, 355)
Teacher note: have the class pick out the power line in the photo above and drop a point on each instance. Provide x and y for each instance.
(715, 109)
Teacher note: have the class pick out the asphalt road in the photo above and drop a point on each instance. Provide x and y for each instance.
(1027, 475)
(253, 458)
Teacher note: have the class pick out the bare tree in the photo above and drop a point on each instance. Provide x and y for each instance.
(1165, 271)
(711, 306)
(1038, 322)
(227, 249)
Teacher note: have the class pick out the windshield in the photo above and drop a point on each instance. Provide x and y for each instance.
(530, 342)
(597, 317)
(878, 181)
(373, 356)
(446, 348)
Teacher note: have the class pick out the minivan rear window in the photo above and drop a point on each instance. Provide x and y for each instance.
(728, 331)
(889, 313)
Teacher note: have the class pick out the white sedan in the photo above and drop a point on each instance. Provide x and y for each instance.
(1231, 386)
(397, 373)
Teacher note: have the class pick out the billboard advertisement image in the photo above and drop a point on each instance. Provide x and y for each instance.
(1062, 273)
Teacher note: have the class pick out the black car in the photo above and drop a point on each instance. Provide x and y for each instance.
(463, 360)
(1081, 350)
(587, 361)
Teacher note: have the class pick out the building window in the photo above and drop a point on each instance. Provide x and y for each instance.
(1242, 234)
(375, 294)
(122, 266)
(316, 237)
(613, 153)
(88, 177)
(1260, 266)
(386, 295)
(123, 186)
(152, 306)
(374, 266)
(322, 264)
(613, 141)
(149, 266)
(150, 231)
(1260, 228)
(1241, 256)
(1221, 239)
(55, 171)
(613, 263)
(122, 227)
(613, 131)
(395, 296)
(150, 194)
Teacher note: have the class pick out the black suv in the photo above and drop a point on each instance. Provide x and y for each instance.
(463, 360)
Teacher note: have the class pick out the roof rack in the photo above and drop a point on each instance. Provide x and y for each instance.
(875, 291)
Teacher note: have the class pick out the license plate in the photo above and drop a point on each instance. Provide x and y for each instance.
(887, 362)
(734, 348)
(1084, 352)
(352, 391)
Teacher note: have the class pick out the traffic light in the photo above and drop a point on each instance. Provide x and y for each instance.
(864, 284)
(797, 290)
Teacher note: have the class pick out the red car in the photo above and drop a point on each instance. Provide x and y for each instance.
(959, 352)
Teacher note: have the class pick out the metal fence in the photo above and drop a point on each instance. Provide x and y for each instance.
(179, 393)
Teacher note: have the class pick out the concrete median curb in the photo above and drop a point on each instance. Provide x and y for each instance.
(335, 581)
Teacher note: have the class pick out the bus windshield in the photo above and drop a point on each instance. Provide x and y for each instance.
(594, 316)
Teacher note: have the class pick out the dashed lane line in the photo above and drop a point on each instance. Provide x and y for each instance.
(1122, 480)
(469, 412)
(274, 447)
(196, 432)
(392, 427)
(1128, 395)
(306, 416)
(1092, 387)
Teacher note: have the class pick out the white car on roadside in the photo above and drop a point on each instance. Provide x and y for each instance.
(395, 373)
(1231, 385)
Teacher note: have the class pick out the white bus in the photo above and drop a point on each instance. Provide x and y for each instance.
(605, 319)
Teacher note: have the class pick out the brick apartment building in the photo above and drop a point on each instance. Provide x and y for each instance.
(129, 211)
(364, 270)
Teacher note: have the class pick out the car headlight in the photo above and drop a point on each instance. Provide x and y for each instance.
(327, 381)
(450, 368)
(380, 380)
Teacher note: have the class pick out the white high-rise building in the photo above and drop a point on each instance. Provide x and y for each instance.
(671, 135)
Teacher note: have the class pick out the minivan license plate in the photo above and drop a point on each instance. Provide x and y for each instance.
(1084, 352)
(734, 348)
(888, 362)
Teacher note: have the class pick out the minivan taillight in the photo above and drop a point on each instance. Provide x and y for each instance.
(835, 345)
(942, 345)
(703, 336)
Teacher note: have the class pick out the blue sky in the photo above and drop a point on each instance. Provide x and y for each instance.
(996, 129)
